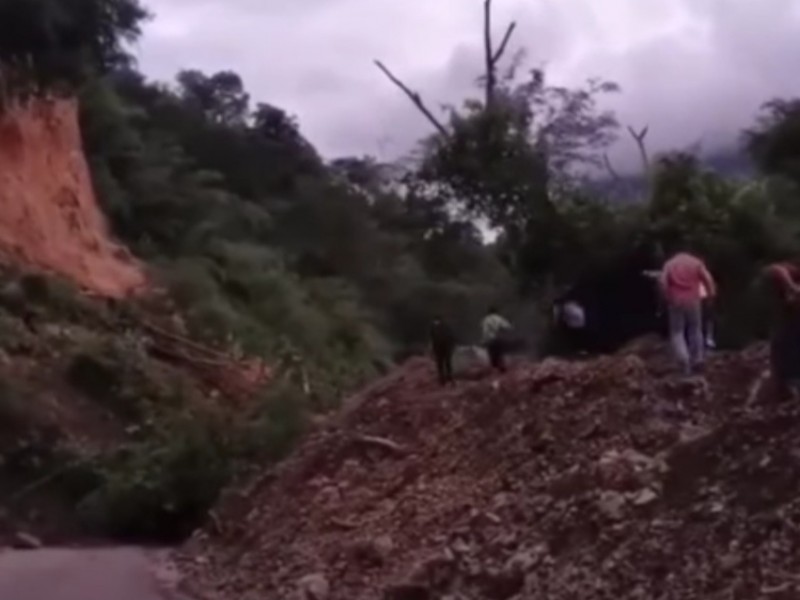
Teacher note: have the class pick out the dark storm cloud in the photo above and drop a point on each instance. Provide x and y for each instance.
(694, 70)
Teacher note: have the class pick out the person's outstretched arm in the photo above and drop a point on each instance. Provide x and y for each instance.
(783, 277)
(663, 283)
(708, 281)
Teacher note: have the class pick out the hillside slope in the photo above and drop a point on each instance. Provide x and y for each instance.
(97, 401)
(49, 218)
(563, 480)
(106, 401)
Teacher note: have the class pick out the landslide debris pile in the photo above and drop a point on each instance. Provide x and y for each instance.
(601, 479)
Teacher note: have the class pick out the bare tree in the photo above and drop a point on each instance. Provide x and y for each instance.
(492, 57)
(639, 138)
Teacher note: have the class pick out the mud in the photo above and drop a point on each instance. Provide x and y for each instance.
(49, 217)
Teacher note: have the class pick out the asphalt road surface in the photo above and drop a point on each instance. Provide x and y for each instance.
(85, 574)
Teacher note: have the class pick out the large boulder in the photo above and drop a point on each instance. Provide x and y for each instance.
(469, 358)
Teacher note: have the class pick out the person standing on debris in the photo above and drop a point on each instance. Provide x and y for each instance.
(495, 329)
(785, 336)
(681, 280)
(706, 307)
(569, 318)
(443, 345)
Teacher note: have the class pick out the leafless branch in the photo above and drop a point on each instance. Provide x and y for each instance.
(488, 53)
(610, 168)
(493, 56)
(639, 138)
(414, 97)
(379, 442)
(502, 48)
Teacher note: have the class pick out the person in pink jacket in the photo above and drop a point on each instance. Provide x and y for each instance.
(683, 280)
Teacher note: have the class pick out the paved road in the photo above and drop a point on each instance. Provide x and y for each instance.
(95, 574)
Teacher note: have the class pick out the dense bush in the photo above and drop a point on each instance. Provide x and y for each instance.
(161, 486)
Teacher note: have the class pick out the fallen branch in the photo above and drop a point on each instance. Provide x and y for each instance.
(342, 524)
(777, 589)
(184, 341)
(216, 525)
(414, 97)
(756, 387)
(181, 357)
(46, 479)
(781, 574)
(380, 442)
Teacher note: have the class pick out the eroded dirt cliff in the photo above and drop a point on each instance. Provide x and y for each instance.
(49, 217)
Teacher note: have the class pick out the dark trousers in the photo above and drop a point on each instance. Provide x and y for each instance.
(443, 356)
(497, 355)
(785, 353)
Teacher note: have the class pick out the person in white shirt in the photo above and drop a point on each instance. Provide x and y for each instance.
(495, 329)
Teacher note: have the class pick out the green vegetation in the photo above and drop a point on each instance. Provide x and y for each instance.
(89, 416)
(271, 251)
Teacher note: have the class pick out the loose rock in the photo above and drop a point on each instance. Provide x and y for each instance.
(26, 541)
(314, 587)
(623, 501)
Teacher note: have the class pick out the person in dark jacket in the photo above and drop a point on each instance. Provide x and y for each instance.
(443, 345)
(784, 278)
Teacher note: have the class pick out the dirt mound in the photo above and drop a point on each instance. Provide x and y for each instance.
(49, 218)
(597, 479)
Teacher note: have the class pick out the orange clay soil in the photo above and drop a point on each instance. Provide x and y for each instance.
(49, 217)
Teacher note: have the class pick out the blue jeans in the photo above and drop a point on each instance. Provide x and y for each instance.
(686, 334)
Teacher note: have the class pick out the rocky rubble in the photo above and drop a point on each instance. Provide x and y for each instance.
(598, 479)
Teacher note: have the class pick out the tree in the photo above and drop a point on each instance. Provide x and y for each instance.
(221, 98)
(774, 141)
(46, 43)
(273, 123)
(512, 156)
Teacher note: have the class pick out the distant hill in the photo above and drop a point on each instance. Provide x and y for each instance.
(729, 162)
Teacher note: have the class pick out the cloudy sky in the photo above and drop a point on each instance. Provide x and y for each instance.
(694, 70)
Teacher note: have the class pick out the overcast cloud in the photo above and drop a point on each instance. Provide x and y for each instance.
(694, 70)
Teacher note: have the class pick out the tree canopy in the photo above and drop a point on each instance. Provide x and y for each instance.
(266, 241)
(54, 43)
